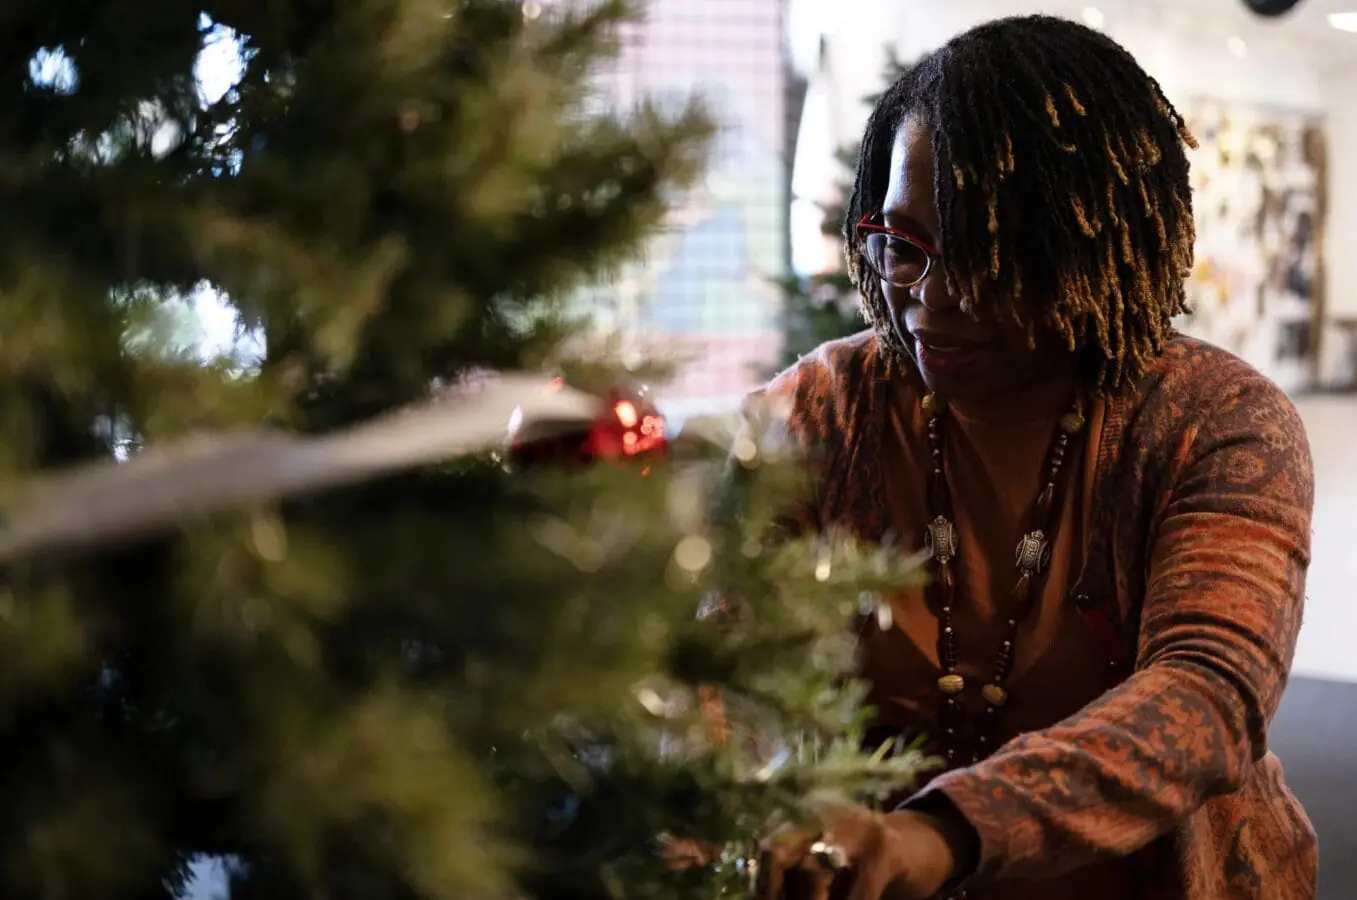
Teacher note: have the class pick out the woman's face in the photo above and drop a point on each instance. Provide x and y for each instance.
(958, 355)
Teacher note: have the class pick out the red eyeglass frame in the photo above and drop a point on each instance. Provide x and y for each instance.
(867, 227)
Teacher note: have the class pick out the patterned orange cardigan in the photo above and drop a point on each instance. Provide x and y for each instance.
(1202, 503)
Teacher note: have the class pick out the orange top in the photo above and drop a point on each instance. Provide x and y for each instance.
(1192, 578)
(994, 463)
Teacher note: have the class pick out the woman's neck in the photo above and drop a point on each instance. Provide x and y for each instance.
(1045, 397)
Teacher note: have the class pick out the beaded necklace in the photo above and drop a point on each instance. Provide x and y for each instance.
(1031, 556)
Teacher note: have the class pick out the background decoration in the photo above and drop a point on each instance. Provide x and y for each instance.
(1259, 196)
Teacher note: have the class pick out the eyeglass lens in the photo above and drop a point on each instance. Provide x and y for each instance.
(896, 260)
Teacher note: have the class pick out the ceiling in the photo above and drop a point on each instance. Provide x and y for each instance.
(1304, 31)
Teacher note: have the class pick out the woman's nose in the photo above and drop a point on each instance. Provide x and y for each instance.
(932, 292)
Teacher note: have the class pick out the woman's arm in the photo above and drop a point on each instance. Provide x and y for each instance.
(1218, 628)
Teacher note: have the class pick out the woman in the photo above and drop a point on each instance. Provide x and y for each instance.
(1119, 517)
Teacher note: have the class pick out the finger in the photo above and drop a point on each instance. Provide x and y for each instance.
(808, 881)
(850, 825)
(685, 853)
(867, 880)
(869, 874)
(784, 853)
(771, 875)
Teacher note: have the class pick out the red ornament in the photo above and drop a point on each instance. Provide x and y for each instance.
(628, 427)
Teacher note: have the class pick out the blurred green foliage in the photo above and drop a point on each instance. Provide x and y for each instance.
(455, 683)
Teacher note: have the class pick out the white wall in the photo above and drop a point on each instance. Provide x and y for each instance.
(1341, 109)
(1340, 249)
(1325, 646)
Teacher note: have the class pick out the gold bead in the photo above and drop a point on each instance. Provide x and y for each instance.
(952, 684)
(931, 402)
(993, 694)
(1071, 422)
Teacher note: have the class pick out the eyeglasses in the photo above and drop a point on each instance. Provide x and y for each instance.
(895, 257)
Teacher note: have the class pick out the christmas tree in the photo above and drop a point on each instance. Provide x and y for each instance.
(453, 681)
(824, 306)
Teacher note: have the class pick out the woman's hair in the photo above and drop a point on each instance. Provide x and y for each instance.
(1061, 176)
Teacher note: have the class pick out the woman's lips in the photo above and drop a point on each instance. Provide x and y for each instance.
(945, 355)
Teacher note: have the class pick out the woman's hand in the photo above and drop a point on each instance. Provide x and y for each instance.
(861, 855)
(679, 853)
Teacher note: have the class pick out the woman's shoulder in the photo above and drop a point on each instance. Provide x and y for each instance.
(1200, 396)
(818, 391)
(1194, 381)
(830, 367)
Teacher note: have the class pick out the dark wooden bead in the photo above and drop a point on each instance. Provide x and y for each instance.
(1026, 588)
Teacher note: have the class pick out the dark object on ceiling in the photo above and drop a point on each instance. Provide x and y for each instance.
(1271, 8)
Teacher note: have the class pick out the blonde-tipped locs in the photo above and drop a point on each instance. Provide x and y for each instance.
(1061, 176)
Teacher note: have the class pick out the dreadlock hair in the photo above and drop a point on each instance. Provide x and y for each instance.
(1061, 176)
